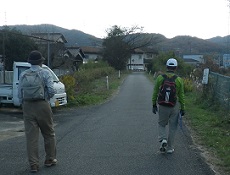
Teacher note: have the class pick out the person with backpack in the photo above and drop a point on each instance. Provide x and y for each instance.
(35, 88)
(168, 100)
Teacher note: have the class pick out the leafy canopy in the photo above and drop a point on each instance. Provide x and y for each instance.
(14, 46)
(120, 43)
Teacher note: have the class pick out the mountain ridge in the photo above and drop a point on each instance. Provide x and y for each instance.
(182, 43)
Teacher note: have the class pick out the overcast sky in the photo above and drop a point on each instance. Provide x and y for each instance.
(199, 18)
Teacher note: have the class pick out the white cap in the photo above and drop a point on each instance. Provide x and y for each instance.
(171, 62)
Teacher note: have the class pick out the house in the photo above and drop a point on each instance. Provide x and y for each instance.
(1, 63)
(136, 61)
(226, 60)
(74, 57)
(140, 58)
(52, 46)
(193, 59)
(92, 53)
(149, 55)
(44, 38)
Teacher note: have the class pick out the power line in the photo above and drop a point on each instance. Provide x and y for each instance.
(30, 36)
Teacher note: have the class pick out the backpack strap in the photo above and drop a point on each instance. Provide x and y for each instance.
(164, 76)
(174, 77)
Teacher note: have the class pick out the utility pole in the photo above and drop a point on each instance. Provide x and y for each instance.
(48, 52)
(3, 56)
(228, 27)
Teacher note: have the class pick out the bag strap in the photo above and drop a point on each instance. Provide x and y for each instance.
(174, 77)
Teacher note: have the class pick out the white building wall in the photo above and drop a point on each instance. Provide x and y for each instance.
(91, 56)
(136, 62)
(226, 60)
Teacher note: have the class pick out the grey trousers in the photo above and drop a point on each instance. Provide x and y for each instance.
(38, 115)
(168, 115)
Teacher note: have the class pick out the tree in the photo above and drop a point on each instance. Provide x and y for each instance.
(120, 43)
(14, 46)
(159, 64)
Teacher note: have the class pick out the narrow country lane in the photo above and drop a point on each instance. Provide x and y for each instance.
(118, 137)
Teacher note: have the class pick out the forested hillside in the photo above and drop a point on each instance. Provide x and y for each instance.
(73, 37)
(181, 44)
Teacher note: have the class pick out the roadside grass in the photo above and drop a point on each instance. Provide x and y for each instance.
(211, 125)
(98, 91)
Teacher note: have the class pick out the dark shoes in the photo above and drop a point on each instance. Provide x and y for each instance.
(34, 168)
(49, 163)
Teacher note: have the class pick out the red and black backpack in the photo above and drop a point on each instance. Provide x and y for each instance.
(167, 95)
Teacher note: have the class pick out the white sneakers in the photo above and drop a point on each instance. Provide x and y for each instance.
(170, 151)
(163, 145)
(164, 149)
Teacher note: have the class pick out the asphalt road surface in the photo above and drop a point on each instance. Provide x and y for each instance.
(118, 137)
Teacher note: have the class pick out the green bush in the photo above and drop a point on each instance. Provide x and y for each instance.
(188, 85)
(87, 75)
(83, 84)
(70, 84)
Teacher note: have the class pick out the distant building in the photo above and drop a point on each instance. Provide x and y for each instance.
(140, 58)
(226, 60)
(136, 62)
(74, 56)
(1, 63)
(43, 38)
(193, 59)
(92, 53)
(52, 46)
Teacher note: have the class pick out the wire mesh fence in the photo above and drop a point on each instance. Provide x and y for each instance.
(220, 88)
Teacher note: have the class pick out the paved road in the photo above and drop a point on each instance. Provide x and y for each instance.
(115, 138)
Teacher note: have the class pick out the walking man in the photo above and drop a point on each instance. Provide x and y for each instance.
(168, 101)
(37, 112)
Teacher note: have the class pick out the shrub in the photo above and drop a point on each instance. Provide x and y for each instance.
(80, 87)
(70, 84)
(188, 85)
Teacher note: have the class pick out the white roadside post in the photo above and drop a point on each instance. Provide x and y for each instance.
(205, 81)
(107, 82)
(205, 76)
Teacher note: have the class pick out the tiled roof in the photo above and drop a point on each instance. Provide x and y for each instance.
(75, 51)
(92, 50)
(55, 37)
(138, 51)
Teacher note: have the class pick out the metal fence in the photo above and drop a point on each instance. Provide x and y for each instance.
(220, 88)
